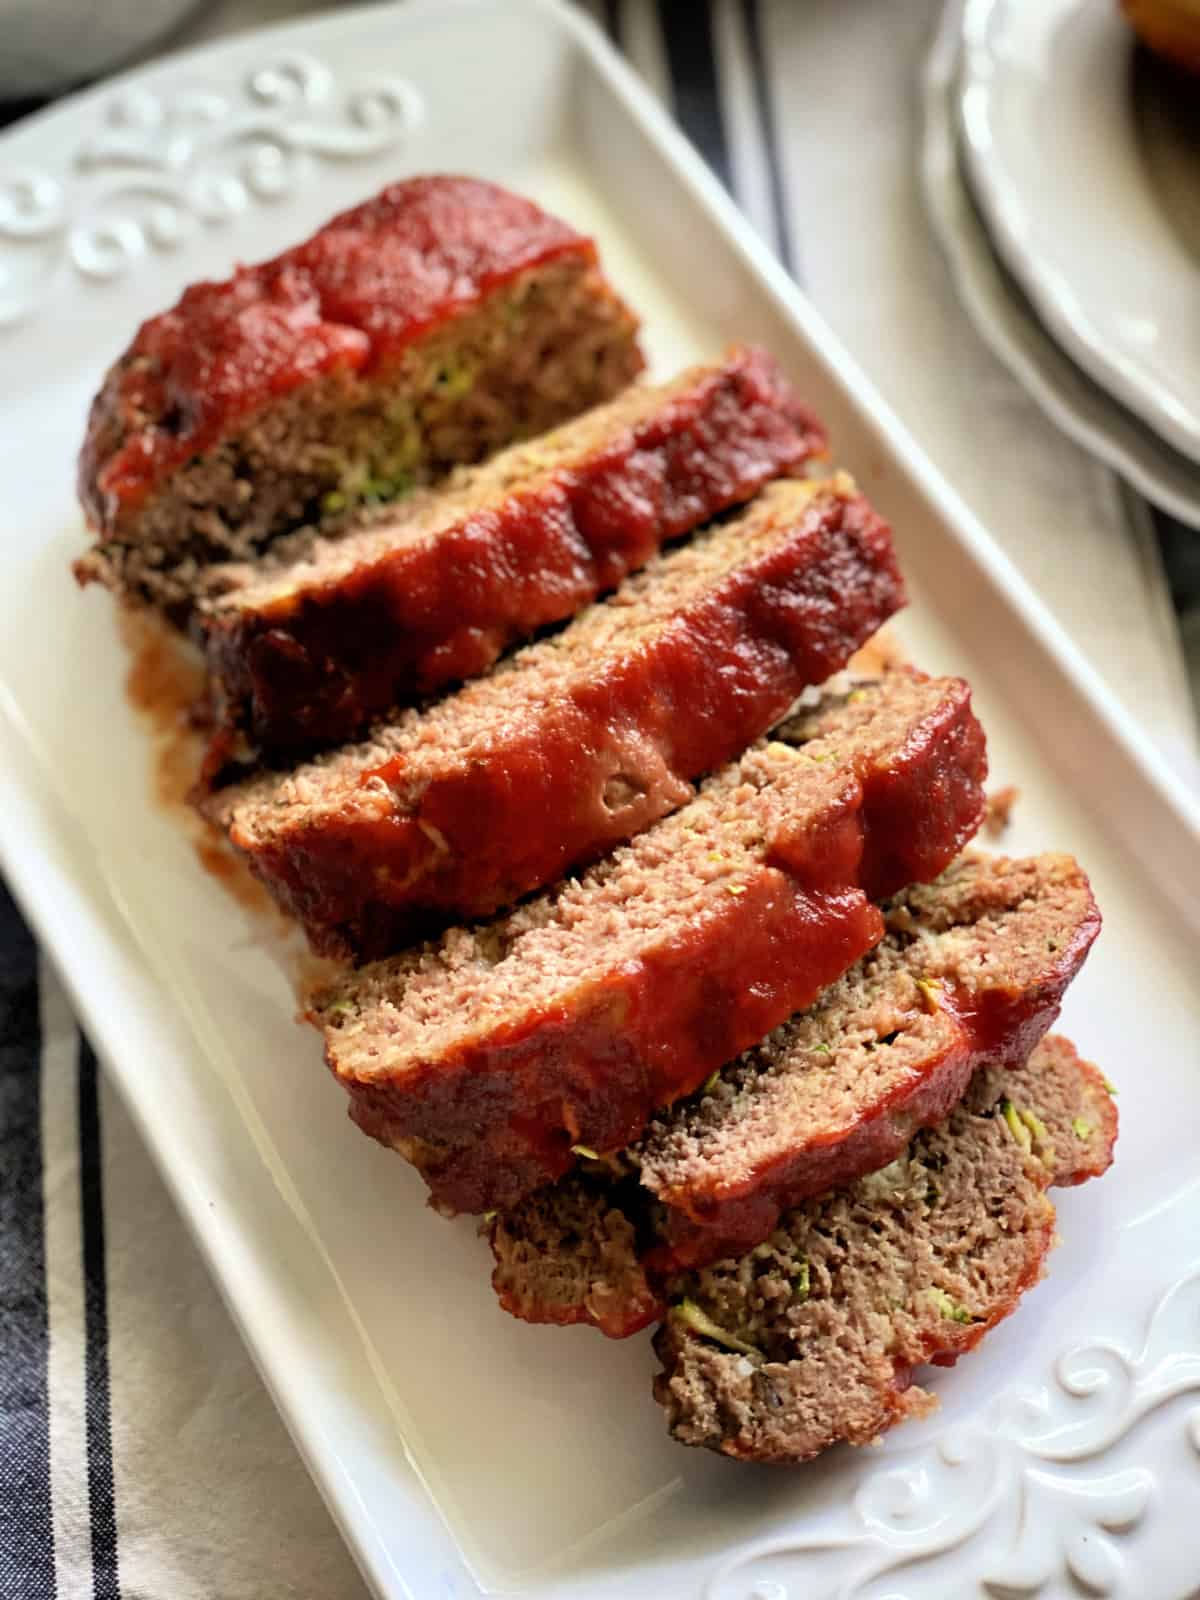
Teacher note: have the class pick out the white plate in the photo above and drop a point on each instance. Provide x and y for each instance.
(1008, 323)
(1053, 150)
(456, 1447)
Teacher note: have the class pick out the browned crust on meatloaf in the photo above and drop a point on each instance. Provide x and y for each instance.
(574, 1253)
(487, 1056)
(814, 1337)
(437, 322)
(309, 648)
(579, 742)
(971, 972)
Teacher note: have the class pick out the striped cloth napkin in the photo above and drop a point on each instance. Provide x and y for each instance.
(139, 1453)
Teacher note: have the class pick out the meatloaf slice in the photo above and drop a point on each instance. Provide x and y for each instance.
(310, 644)
(490, 1056)
(971, 971)
(438, 321)
(578, 742)
(814, 1336)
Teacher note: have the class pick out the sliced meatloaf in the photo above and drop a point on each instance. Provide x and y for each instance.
(577, 742)
(311, 643)
(814, 1336)
(489, 1057)
(427, 327)
(970, 972)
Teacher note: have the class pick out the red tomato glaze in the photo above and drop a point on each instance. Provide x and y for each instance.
(497, 1115)
(357, 293)
(510, 817)
(315, 667)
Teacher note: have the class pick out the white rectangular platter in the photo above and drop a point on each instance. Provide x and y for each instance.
(458, 1450)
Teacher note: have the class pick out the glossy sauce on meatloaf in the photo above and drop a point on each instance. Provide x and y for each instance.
(971, 972)
(490, 1056)
(369, 283)
(311, 648)
(426, 328)
(576, 743)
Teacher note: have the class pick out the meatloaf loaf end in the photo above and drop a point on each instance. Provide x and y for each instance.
(429, 326)
(578, 742)
(971, 972)
(489, 1057)
(310, 644)
(814, 1336)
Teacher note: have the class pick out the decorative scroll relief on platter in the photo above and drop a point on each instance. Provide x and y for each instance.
(1026, 1502)
(154, 170)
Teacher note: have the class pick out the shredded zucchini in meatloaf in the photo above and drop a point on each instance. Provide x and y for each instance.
(690, 1314)
(949, 1307)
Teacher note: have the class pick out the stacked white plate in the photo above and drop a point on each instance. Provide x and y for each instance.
(1062, 175)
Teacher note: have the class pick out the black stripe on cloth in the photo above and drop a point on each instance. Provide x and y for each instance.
(687, 32)
(97, 1398)
(26, 1521)
(764, 101)
(1181, 557)
(14, 110)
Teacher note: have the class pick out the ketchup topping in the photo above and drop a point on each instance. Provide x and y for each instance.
(355, 295)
